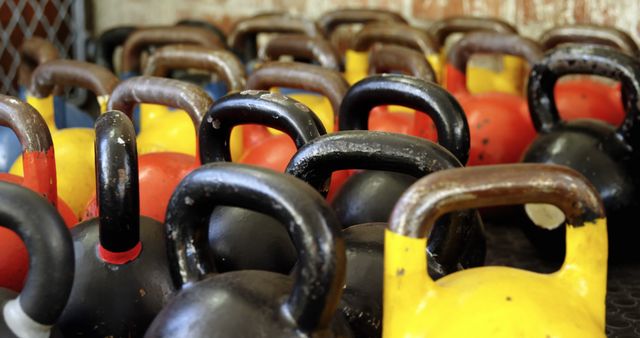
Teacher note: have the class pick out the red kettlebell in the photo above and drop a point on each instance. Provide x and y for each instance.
(499, 123)
(159, 173)
(233, 231)
(276, 150)
(35, 311)
(121, 277)
(39, 175)
(585, 97)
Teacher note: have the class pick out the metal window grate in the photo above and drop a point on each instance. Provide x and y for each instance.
(59, 21)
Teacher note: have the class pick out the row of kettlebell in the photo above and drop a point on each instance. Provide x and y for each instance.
(129, 269)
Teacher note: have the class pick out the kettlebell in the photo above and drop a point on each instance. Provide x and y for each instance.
(40, 176)
(173, 131)
(232, 231)
(486, 74)
(456, 242)
(499, 123)
(388, 58)
(303, 48)
(243, 39)
(604, 154)
(205, 24)
(349, 202)
(252, 303)
(108, 42)
(496, 301)
(356, 62)
(122, 277)
(35, 311)
(74, 151)
(584, 97)
(159, 172)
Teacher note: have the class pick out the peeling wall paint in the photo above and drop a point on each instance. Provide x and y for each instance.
(531, 17)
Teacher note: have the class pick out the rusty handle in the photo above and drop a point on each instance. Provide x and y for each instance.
(395, 34)
(390, 58)
(221, 62)
(441, 29)
(592, 34)
(301, 76)
(159, 36)
(34, 52)
(305, 47)
(478, 187)
(168, 92)
(490, 42)
(242, 37)
(71, 73)
(329, 21)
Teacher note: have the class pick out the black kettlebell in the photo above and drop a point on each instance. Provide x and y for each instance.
(108, 42)
(456, 242)
(606, 155)
(252, 303)
(122, 277)
(353, 201)
(233, 231)
(35, 311)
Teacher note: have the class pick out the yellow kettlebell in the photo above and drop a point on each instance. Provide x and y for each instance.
(328, 83)
(306, 49)
(143, 38)
(497, 301)
(173, 131)
(357, 56)
(73, 146)
(486, 73)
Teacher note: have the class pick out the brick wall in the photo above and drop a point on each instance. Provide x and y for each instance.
(530, 16)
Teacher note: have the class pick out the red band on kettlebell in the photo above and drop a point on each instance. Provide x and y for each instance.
(119, 257)
(455, 80)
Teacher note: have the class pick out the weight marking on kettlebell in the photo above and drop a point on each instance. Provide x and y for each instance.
(400, 272)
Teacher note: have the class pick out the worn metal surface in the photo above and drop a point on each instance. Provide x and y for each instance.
(491, 42)
(71, 73)
(441, 29)
(391, 58)
(218, 61)
(34, 52)
(396, 34)
(330, 20)
(596, 34)
(300, 46)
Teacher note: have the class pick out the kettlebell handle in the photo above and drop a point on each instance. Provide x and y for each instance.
(441, 29)
(254, 107)
(331, 20)
(218, 61)
(485, 42)
(168, 92)
(72, 73)
(117, 188)
(316, 49)
(420, 95)
(107, 43)
(298, 75)
(485, 186)
(370, 150)
(591, 34)
(207, 25)
(320, 273)
(246, 30)
(591, 60)
(34, 52)
(387, 58)
(395, 34)
(38, 158)
(157, 36)
(51, 257)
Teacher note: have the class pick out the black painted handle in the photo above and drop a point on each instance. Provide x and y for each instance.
(254, 107)
(371, 150)
(414, 93)
(592, 34)
(107, 43)
(117, 182)
(51, 258)
(490, 42)
(584, 59)
(320, 273)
